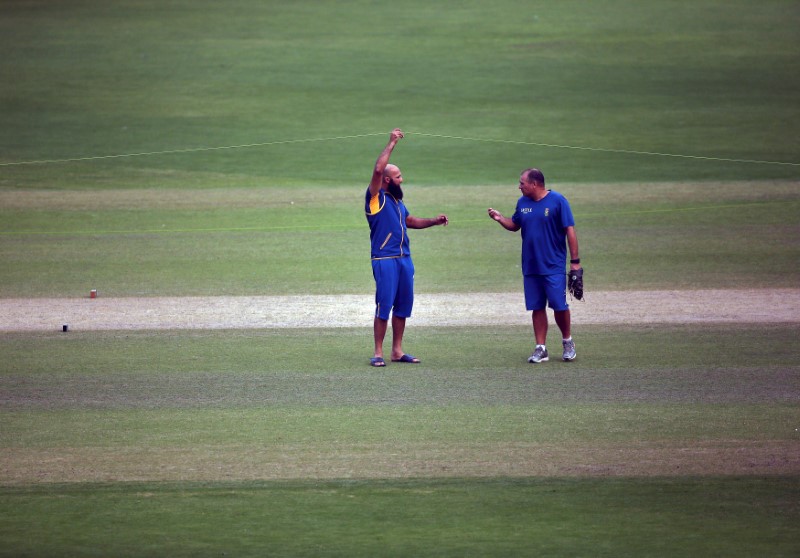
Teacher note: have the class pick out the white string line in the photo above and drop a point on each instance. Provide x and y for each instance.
(608, 150)
(189, 150)
(486, 140)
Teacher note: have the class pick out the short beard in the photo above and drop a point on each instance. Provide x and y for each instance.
(395, 190)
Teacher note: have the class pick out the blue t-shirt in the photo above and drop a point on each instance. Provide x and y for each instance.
(387, 226)
(544, 238)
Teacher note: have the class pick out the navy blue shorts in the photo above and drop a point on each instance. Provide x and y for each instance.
(543, 289)
(394, 287)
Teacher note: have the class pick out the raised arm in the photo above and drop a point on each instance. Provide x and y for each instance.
(506, 222)
(382, 161)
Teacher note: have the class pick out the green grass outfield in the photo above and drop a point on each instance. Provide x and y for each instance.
(662, 440)
(715, 79)
(489, 517)
(188, 148)
(249, 443)
(139, 242)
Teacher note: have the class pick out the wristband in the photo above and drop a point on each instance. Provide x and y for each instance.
(575, 261)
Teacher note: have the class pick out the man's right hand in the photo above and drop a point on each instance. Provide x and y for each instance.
(383, 160)
(505, 222)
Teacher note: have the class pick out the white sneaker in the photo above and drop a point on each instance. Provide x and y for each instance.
(539, 355)
(569, 350)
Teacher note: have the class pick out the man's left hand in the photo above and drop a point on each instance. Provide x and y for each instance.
(575, 283)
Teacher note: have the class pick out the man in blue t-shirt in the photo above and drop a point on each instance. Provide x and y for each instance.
(548, 228)
(392, 267)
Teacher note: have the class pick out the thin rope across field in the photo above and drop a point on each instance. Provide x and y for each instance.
(440, 136)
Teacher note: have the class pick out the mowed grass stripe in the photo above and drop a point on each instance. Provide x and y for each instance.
(401, 460)
(683, 517)
(315, 240)
(216, 405)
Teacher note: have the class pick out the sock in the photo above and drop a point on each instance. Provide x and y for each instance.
(568, 338)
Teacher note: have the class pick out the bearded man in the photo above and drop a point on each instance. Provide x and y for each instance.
(392, 268)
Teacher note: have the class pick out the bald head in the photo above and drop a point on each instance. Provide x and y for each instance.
(392, 175)
(392, 180)
(391, 171)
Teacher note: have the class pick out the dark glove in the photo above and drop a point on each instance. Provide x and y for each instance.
(575, 283)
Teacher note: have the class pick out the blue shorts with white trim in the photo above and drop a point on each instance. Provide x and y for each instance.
(546, 289)
(394, 287)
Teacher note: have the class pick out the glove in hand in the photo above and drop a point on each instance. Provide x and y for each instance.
(575, 283)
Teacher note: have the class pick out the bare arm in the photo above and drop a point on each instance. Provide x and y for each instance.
(572, 243)
(506, 222)
(382, 161)
(421, 223)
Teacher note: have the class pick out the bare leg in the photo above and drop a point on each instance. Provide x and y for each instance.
(540, 326)
(398, 329)
(563, 321)
(379, 332)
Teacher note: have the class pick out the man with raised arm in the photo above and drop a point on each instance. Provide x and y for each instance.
(389, 221)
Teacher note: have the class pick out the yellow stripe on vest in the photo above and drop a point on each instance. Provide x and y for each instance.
(374, 204)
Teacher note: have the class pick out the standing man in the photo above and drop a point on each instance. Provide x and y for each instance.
(548, 228)
(392, 267)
